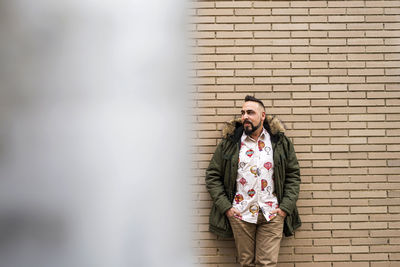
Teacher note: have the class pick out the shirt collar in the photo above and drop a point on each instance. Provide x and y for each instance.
(262, 136)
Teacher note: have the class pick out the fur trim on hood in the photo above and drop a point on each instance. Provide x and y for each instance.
(275, 125)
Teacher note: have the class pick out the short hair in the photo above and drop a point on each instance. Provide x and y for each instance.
(253, 99)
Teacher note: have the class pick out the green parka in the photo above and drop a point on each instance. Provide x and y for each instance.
(221, 176)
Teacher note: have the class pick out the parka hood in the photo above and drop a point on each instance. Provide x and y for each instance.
(275, 125)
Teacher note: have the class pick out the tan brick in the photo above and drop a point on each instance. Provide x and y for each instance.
(331, 210)
(328, 57)
(350, 202)
(350, 233)
(272, 80)
(308, 4)
(312, 234)
(234, 65)
(312, 110)
(214, 27)
(383, 79)
(233, 4)
(384, 264)
(290, 103)
(298, 133)
(332, 118)
(271, 34)
(347, 33)
(203, 65)
(252, 27)
(347, 64)
(214, 12)
(290, 57)
(369, 225)
(202, 4)
(312, 203)
(272, 65)
(385, 125)
(327, 26)
(329, 148)
(235, 80)
(318, 19)
(351, 264)
(382, 140)
(351, 218)
(330, 226)
(349, 171)
(379, 18)
(319, 11)
(369, 241)
(369, 209)
(367, 163)
(331, 194)
(364, 10)
(367, 132)
(252, 12)
(392, 117)
(257, 88)
(289, 26)
(369, 178)
(366, 87)
(365, 57)
(383, 94)
(371, 256)
(253, 57)
(350, 249)
(331, 163)
(253, 73)
(279, 111)
(366, 102)
(234, 50)
(346, 79)
(332, 241)
(216, 259)
(215, 88)
(269, 49)
(312, 250)
(270, 4)
(215, 58)
(367, 25)
(309, 34)
(367, 117)
(202, 73)
(380, 64)
(203, 19)
(331, 257)
(316, 218)
(232, 35)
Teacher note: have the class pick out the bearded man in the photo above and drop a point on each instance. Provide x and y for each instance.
(254, 181)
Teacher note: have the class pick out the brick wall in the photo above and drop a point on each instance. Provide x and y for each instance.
(330, 70)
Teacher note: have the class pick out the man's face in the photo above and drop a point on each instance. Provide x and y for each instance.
(253, 116)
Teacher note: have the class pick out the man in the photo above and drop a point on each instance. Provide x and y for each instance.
(254, 180)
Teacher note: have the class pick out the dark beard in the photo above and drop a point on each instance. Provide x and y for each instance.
(249, 131)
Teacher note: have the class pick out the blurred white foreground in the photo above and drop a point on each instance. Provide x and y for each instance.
(93, 151)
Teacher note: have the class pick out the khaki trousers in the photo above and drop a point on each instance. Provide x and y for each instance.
(258, 244)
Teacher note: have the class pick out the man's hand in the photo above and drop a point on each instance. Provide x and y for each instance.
(279, 212)
(233, 212)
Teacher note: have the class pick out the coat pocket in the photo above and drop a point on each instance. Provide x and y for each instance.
(219, 220)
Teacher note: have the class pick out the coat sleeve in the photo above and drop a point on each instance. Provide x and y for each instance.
(215, 181)
(291, 185)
